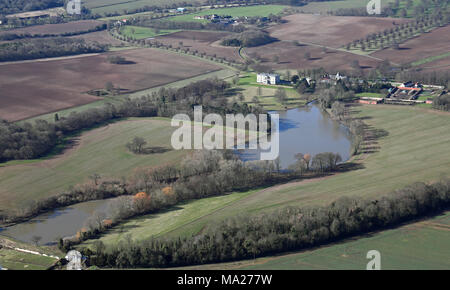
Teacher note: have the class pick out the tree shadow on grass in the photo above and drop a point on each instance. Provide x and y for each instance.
(154, 150)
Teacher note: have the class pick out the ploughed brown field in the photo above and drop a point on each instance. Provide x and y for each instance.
(293, 57)
(436, 42)
(100, 36)
(60, 28)
(30, 89)
(333, 31)
(202, 41)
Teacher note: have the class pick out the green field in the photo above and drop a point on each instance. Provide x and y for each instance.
(163, 223)
(430, 59)
(138, 32)
(16, 260)
(249, 88)
(268, 100)
(415, 148)
(100, 151)
(326, 6)
(422, 245)
(249, 11)
(370, 95)
(120, 6)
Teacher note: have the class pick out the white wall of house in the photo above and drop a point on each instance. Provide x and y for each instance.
(268, 79)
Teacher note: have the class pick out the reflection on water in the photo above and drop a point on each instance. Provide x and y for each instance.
(307, 130)
(56, 224)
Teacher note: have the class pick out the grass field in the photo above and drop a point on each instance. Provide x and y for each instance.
(423, 245)
(327, 6)
(430, 59)
(370, 95)
(16, 260)
(249, 11)
(249, 88)
(120, 6)
(414, 149)
(163, 223)
(100, 151)
(138, 32)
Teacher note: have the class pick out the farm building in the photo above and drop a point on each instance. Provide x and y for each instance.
(370, 101)
(268, 79)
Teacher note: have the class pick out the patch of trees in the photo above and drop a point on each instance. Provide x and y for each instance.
(117, 59)
(440, 78)
(16, 6)
(137, 146)
(16, 36)
(248, 38)
(442, 102)
(42, 48)
(288, 229)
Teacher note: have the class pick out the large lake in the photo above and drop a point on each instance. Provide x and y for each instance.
(302, 130)
(306, 130)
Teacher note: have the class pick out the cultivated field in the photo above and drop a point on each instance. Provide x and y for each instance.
(421, 245)
(292, 56)
(399, 157)
(61, 28)
(102, 37)
(324, 7)
(100, 151)
(139, 32)
(333, 31)
(202, 41)
(418, 49)
(67, 81)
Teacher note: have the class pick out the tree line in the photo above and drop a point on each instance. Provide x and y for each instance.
(51, 47)
(16, 36)
(287, 229)
(394, 36)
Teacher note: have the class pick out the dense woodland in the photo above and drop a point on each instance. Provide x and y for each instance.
(49, 47)
(288, 229)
